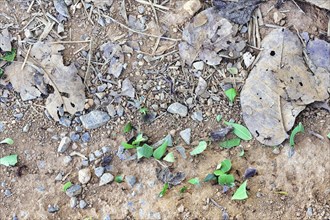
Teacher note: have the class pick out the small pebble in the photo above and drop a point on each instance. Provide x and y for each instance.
(73, 202)
(85, 137)
(130, 180)
(8, 193)
(59, 177)
(105, 149)
(53, 208)
(106, 178)
(74, 137)
(98, 153)
(141, 9)
(82, 204)
(84, 175)
(99, 171)
(64, 144)
(74, 190)
(67, 160)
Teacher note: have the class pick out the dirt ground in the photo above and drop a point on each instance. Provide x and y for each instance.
(303, 179)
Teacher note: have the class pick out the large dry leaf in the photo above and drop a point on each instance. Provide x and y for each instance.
(320, 3)
(5, 40)
(45, 68)
(279, 87)
(205, 37)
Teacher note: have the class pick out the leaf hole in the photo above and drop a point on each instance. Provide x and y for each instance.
(66, 95)
(272, 53)
(257, 133)
(301, 84)
(50, 89)
(72, 105)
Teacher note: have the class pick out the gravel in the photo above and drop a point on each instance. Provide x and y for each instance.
(182, 151)
(186, 135)
(8, 193)
(198, 65)
(99, 171)
(94, 119)
(84, 175)
(74, 137)
(111, 110)
(59, 177)
(53, 208)
(197, 116)
(85, 137)
(74, 190)
(98, 153)
(67, 160)
(179, 109)
(73, 202)
(82, 204)
(64, 144)
(130, 180)
(106, 178)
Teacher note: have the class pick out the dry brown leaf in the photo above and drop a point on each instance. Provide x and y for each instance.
(279, 88)
(45, 67)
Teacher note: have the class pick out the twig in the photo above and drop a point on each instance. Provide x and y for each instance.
(164, 55)
(124, 11)
(77, 51)
(294, 2)
(216, 204)
(30, 7)
(138, 32)
(26, 57)
(70, 42)
(87, 74)
(154, 11)
(316, 135)
(155, 5)
(75, 153)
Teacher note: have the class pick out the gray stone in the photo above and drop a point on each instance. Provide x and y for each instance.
(99, 171)
(53, 208)
(78, 129)
(198, 65)
(106, 178)
(186, 135)
(91, 157)
(74, 190)
(66, 122)
(197, 116)
(85, 137)
(177, 108)
(276, 150)
(182, 151)
(169, 140)
(8, 192)
(67, 160)
(73, 202)
(105, 149)
(64, 144)
(107, 217)
(84, 175)
(141, 9)
(155, 215)
(2, 126)
(111, 110)
(18, 116)
(74, 137)
(26, 128)
(98, 153)
(84, 163)
(82, 204)
(101, 88)
(309, 212)
(130, 180)
(59, 177)
(94, 119)
(120, 111)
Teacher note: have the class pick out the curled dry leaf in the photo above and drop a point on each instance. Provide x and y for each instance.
(279, 87)
(44, 69)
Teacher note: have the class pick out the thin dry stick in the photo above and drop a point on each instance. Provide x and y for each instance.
(30, 7)
(77, 51)
(87, 74)
(26, 57)
(154, 11)
(138, 32)
(155, 5)
(124, 11)
(294, 2)
(216, 204)
(70, 42)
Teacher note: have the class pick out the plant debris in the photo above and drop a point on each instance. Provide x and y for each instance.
(166, 176)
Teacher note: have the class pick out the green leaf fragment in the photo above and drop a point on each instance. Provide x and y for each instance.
(160, 151)
(218, 172)
(194, 181)
(225, 166)
(231, 94)
(66, 186)
(232, 70)
(143, 110)
(1, 72)
(10, 160)
(230, 143)
(144, 151)
(139, 139)
(240, 131)
(199, 149)
(127, 146)
(328, 135)
(128, 127)
(210, 177)
(241, 154)
(7, 141)
(241, 193)
(218, 118)
(226, 179)
(119, 179)
(183, 189)
(9, 56)
(169, 157)
(297, 129)
(162, 193)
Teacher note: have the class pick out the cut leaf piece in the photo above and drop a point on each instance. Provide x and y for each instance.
(10, 160)
(218, 172)
(66, 186)
(160, 151)
(240, 193)
(139, 139)
(241, 154)
(225, 165)
(231, 94)
(297, 129)
(209, 177)
(7, 141)
(119, 179)
(162, 193)
(232, 70)
(230, 143)
(127, 146)
(194, 181)
(144, 151)
(128, 127)
(183, 189)
(169, 157)
(226, 180)
(218, 118)
(240, 131)
(199, 149)
(9, 56)
(328, 135)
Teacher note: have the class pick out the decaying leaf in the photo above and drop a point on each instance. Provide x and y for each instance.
(5, 40)
(279, 88)
(237, 11)
(44, 69)
(203, 40)
(127, 89)
(102, 3)
(113, 54)
(320, 3)
(61, 8)
(166, 176)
